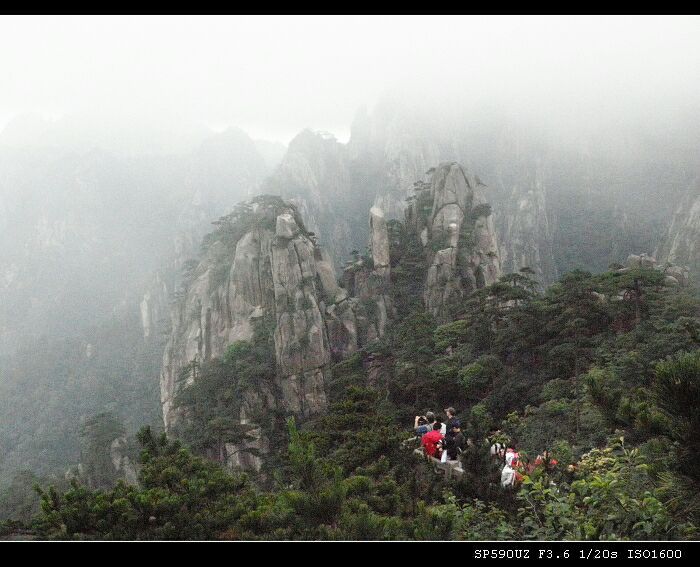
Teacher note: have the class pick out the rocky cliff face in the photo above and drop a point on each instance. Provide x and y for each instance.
(682, 242)
(264, 265)
(366, 279)
(268, 269)
(454, 222)
(519, 193)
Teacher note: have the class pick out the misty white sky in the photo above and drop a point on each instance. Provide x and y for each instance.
(273, 76)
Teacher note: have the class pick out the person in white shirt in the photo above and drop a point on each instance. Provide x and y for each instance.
(507, 476)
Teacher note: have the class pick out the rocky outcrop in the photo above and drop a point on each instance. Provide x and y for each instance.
(262, 264)
(379, 242)
(636, 261)
(407, 142)
(674, 275)
(453, 220)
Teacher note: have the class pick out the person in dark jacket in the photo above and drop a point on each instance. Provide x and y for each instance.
(454, 443)
(452, 422)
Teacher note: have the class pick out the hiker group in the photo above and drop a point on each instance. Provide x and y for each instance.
(443, 440)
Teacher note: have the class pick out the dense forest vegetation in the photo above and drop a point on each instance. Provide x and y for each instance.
(602, 370)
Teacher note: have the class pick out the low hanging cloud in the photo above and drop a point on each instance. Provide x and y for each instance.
(273, 76)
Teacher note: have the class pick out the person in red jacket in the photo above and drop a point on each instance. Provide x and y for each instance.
(432, 441)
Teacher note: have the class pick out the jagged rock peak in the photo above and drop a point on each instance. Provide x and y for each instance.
(379, 238)
(451, 216)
